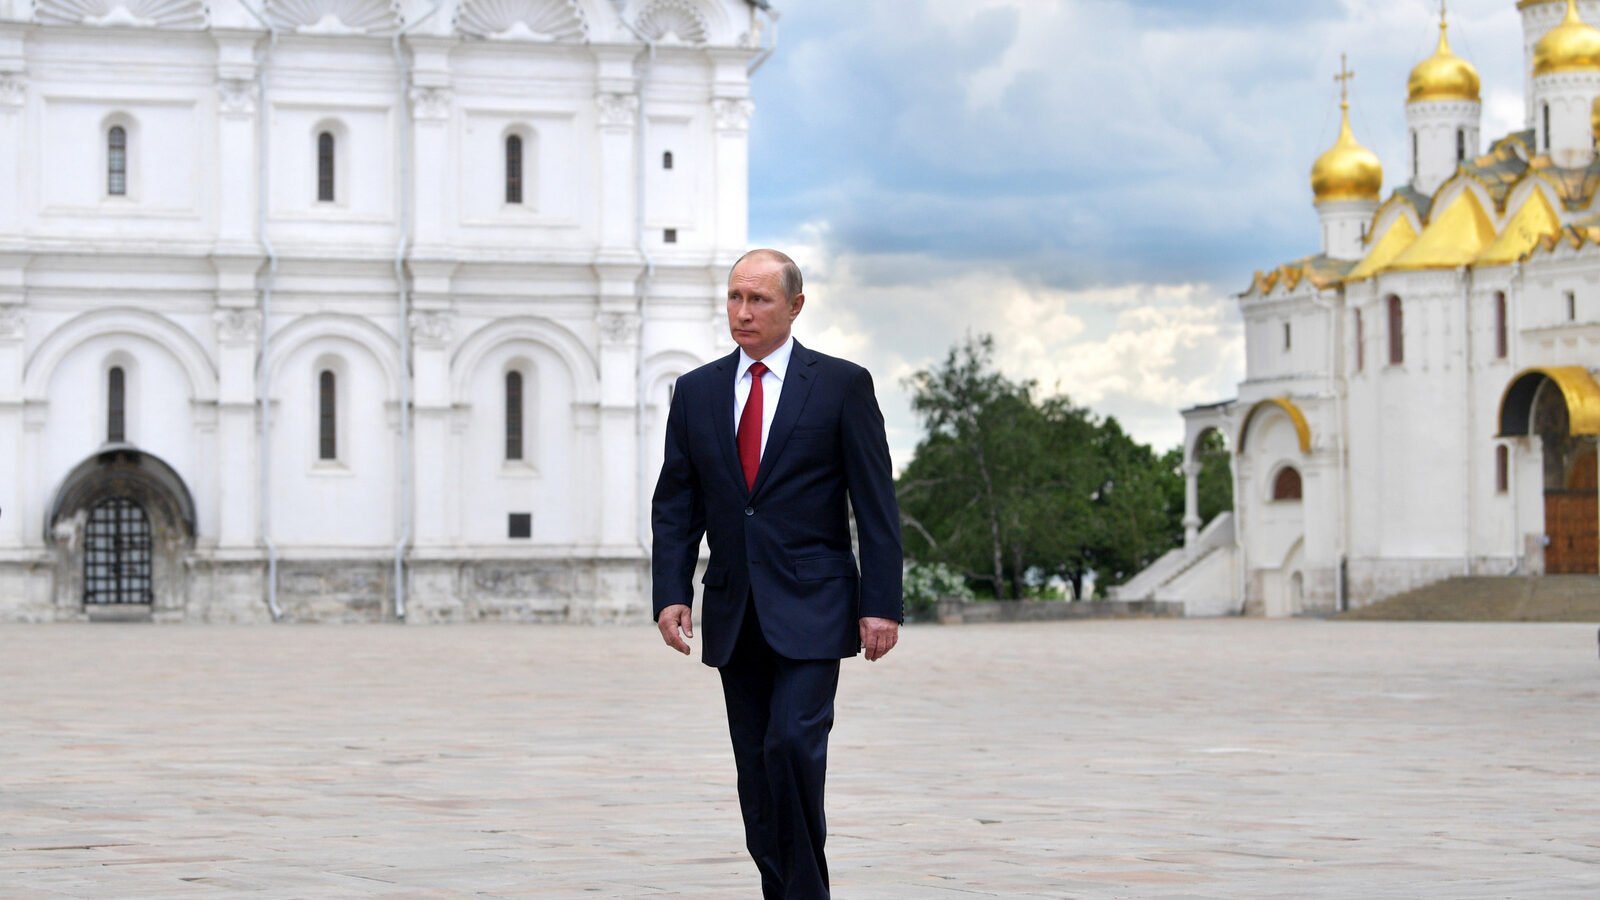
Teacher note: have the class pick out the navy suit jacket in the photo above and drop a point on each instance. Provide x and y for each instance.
(786, 542)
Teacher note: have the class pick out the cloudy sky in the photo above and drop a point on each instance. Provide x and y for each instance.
(1090, 181)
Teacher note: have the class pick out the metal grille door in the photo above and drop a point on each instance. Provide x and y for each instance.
(116, 558)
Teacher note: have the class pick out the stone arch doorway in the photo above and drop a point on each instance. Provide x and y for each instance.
(1562, 406)
(121, 526)
(1571, 516)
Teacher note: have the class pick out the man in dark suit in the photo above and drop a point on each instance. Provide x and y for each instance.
(783, 602)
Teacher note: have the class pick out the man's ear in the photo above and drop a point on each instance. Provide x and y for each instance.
(795, 304)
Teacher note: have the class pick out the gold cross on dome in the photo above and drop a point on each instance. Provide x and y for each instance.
(1343, 78)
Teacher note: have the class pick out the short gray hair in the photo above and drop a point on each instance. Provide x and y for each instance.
(788, 272)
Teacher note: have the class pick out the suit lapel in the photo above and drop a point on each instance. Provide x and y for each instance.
(722, 413)
(796, 388)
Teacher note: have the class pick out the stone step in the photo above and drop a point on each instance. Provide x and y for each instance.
(1549, 598)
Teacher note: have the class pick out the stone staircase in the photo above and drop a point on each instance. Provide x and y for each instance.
(1549, 598)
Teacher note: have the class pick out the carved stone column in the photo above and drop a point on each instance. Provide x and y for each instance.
(13, 332)
(238, 333)
(431, 172)
(432, 335)
(732, 115)
(13, 96)
(1191, 503)
(619, 462)
(617, 116)
(238, 111)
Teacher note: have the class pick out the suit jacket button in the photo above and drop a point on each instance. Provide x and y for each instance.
(749, 510)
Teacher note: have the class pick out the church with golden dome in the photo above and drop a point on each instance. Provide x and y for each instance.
(1421, 398)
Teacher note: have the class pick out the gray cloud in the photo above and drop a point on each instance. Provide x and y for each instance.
(1080, 149)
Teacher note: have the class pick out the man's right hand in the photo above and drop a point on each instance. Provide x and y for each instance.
(673, 620)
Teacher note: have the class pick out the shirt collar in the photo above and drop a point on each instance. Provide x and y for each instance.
(777, 361)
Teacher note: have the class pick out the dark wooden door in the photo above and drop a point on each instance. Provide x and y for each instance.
(1570, 520)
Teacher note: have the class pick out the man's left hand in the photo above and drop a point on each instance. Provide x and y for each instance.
(878, 636)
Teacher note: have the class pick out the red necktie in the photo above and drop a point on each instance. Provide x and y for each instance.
(749, 439)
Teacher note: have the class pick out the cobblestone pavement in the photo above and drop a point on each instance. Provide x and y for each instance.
(1137, 759)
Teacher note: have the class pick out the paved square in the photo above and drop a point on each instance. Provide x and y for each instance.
(1159, 759)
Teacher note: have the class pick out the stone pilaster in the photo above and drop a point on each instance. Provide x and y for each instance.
(238, 336)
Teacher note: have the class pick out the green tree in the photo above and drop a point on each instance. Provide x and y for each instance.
(1138, 509)
(1014, 491)
(999, 485)
(1215, 486)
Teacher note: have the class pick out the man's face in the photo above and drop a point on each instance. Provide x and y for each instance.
(759, 314)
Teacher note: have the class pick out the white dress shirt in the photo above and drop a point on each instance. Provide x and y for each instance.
(771, 386)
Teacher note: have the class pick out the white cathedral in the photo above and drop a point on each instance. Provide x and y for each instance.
(1420, 398)
(355, 309)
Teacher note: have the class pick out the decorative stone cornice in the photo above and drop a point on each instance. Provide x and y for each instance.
(733, 114)
(432, 329)
(236, 98)
(618, 329)
(335, 16)
(617, 110)
(673, 22)
(523, 20)
(238, 326)
(13, 323)
(431, 104)
(125, 13)
(13, 89)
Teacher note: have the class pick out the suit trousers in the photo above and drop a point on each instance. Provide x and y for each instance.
(780, 711)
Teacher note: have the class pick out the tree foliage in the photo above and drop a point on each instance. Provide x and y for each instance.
(1013, 490)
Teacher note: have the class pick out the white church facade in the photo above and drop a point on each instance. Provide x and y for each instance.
(355, 309)
(1420, 398)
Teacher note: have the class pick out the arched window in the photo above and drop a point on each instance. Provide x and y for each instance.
(325, 168)
(1461, 144)
(327, 416)
(1546, 128)
(666, 159)
(1572, 305)
(1397, 338)
(1286, 343)
(1416, 168)
(1286, 485)
(116, 408)
(1361, 344)
(117, 161)
(514, 168)
(1500, 324)
(513, 415)
(1502, 469)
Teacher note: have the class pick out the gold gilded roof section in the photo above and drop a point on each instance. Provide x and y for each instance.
(1572, 46)
(1535, 219)
(1574, 187)
(1578, 390)
(1347, 171)
(1499, 170)
(1444, 75)
(1454, 238)
(1320, 270)
(1395, 240)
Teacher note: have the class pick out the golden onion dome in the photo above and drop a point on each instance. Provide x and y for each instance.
(1442, 76)
(1348, 171)
(1568, 47)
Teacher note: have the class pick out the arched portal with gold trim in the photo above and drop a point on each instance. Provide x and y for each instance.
(1274, 503)
(1561, 406)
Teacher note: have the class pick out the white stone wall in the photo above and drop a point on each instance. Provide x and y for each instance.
(1569, 99)
(1434, 125)
(168, 282)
